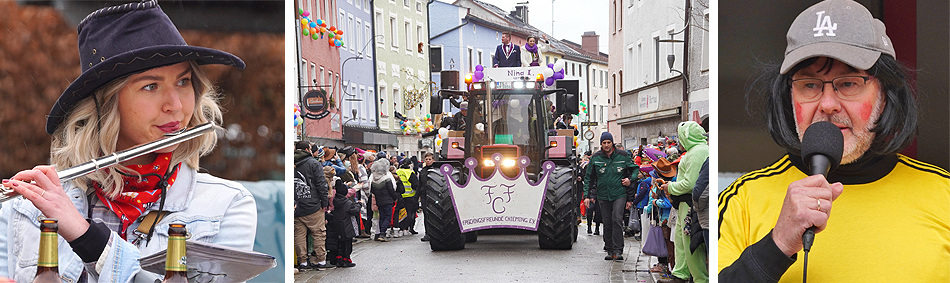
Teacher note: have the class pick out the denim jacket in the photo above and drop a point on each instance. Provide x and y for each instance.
(214, 210)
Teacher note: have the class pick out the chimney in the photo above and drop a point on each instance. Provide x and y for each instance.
(520, 12)
(590, 41)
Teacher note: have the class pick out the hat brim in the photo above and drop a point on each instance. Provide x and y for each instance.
(131, 62)
(860, 58)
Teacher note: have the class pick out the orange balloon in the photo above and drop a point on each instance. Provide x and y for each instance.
(323, 29)
(313, 30)
(340, 32)
(340, 37)
(330, 39)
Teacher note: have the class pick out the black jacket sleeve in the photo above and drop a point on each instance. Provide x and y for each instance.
(319, 183)
(416, 185)
(702, 182)
(760, 262)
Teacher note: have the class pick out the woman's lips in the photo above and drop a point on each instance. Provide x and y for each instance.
(170, 127)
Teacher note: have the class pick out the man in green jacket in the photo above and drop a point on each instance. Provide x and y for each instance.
(609, 175)
(693, 138)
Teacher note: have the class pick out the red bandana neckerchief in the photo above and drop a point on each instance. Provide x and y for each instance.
(137, 193)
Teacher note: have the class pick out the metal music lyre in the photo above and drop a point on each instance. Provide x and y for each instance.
(118, 157)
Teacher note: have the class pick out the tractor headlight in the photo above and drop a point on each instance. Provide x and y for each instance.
(489, 163)
(508, 162)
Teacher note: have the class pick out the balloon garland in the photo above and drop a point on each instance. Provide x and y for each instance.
(311, 27)
(417, 125)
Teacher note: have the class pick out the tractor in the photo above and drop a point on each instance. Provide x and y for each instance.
(509, 168)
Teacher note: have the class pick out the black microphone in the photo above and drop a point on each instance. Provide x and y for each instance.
(822, 147)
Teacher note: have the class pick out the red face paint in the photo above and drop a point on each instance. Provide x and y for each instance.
(798, 112)
(865, 110)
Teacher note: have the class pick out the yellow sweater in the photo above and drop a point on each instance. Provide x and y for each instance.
(896, 227)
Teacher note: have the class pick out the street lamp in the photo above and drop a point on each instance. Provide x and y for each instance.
(670, 59)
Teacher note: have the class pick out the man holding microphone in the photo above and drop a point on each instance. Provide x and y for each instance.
(839, 67)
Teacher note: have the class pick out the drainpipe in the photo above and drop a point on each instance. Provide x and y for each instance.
(685, 116)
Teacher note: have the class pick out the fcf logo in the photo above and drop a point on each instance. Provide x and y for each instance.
(824, 25)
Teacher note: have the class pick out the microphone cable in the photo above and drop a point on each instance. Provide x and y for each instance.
(807, 240)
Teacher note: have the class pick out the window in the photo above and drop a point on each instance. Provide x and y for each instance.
(547, 60)
(418, 6)
(406, 3)
(370, 106)
(304, 77)
(409, 43)
(336, 80)
(323, 80)
(326, 12)
(656, 44)
(379, 28)
(397, 100)
(705, 59)
(350, 38)
(392, 31)
(383, 108)
(368, 36)
(435, 59)
(313, 74)
(470, 66)
(420, 35)
(480, 62)
(329, 87)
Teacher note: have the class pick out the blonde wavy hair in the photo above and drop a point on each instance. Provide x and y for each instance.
(85, 135)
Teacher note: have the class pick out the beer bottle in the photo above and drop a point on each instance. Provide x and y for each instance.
(176, 269)
(47, 267)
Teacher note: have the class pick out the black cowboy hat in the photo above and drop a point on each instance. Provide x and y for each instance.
(121, 40)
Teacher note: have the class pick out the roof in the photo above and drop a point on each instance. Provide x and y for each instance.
(598, 57)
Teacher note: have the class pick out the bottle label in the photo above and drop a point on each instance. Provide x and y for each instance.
(176, 260)
(48, 250)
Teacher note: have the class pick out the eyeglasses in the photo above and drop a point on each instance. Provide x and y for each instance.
(847, 88)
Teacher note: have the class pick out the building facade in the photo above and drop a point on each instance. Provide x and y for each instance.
(660, 93)
(318, 69)
(358, 83)
(402, 76)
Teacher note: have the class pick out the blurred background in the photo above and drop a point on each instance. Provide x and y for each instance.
(39, 58)
(753, 32)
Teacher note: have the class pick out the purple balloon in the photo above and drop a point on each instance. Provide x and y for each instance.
(551, 66)
(478, 76)
(549, 81)
(479, 68)
(557, 76)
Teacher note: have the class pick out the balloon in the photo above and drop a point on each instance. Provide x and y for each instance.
(551, 66)
(306, 13)
(479, 68)
(313, 31)
(332, 28)
(549, 81)
(314, 36)
(323, 29)
(304, 22)
(515, 103)
(305, 32)
(319, 22)
(340, 37)
(480, 127)
(296, 123)
(324, 24)
(313, 25)
(558, 76)
(300, 11)
(547, 73)
(478, 76)
(559, 65)
(340, 32)
(438, 142)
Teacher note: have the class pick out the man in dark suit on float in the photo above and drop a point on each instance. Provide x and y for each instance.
(507, 54)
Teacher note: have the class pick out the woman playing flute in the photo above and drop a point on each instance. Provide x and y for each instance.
(139, 81)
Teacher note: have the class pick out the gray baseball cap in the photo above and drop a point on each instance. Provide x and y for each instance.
(839, 29)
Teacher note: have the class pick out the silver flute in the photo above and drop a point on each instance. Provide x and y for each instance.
(107, 161)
